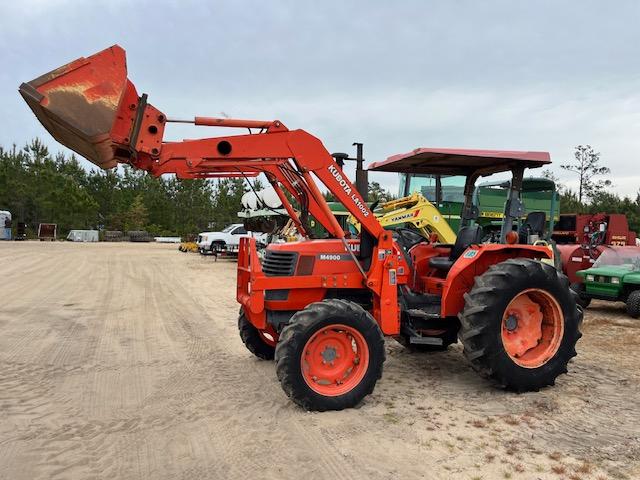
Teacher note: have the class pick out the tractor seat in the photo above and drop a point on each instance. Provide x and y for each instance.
(466, 236)
(533, 225)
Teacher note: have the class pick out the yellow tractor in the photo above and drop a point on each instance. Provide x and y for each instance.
(416, 212)
(420, 213)
(188, 247)
(189, 244)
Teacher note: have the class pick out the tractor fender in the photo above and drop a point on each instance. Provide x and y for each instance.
(475, 261)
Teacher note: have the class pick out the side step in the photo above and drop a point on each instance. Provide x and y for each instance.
(419, 340)
(417, 313)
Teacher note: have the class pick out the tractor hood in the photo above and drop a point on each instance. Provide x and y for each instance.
(88, 105)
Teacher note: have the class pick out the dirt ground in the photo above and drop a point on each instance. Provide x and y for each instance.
(123, 361)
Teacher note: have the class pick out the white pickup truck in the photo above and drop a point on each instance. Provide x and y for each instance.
(225, 241)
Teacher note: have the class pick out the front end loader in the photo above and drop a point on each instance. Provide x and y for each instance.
(321, 307)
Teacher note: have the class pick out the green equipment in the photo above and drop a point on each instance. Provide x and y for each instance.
(447, 193)
(615, 276)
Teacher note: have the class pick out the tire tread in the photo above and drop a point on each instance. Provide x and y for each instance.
(479, 316)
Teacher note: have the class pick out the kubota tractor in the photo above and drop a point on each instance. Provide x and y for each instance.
(321, 308)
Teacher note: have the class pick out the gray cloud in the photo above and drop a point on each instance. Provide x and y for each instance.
(394, 75)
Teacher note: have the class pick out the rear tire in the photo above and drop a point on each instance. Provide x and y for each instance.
(633, 304)
(254, 340)
(520, 324)
(330, 355)
(583, 300)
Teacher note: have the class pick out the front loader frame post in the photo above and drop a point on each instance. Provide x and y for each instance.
(469, 210)
(513, 208)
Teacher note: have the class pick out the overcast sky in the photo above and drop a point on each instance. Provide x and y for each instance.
(537, 75)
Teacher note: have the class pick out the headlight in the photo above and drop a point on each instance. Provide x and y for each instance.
(590, 278)
(615, 279)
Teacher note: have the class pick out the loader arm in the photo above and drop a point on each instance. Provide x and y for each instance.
(90, 106)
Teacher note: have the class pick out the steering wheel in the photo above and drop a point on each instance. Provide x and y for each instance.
(410, 238)
(595, 241)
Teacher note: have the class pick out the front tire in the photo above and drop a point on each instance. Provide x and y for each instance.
(257, 342)
(330, 355)
(633, 304)
(520, 324)
(217, 247)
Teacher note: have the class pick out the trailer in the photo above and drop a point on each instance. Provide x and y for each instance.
(5, 225)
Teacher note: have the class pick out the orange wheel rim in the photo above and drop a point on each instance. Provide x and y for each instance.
(532, 328)
(334, 360)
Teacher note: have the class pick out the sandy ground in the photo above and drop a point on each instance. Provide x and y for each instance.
(123, 361)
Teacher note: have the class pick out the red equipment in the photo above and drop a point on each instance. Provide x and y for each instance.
(320, 307)
(581, 238)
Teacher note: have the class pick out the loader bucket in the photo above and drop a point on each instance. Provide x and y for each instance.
(80, 105)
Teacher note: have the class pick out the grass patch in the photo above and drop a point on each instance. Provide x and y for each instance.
(555, 456)
(511, 451)
(509, 420)
(585, 468)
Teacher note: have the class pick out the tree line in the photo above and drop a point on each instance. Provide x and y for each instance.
(39, 187)
(593, 194)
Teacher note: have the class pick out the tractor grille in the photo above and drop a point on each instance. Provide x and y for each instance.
(279, 264)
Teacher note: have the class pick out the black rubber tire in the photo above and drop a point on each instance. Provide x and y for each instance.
(296, 334)
(252, 339)
(217, 246)
(583, 300)
(633, 304)
(481, 323)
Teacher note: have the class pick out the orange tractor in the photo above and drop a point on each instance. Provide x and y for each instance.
(321, 307)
